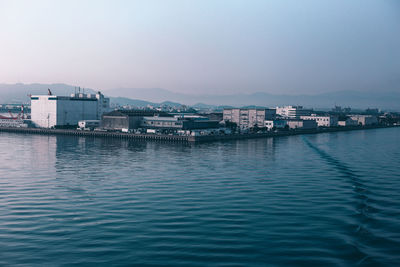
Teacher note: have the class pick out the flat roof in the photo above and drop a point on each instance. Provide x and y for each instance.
(161, 118)
(54, 97)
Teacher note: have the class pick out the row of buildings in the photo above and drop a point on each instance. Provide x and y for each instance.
(89, 111)
(291, 117)
(49, 111)
(128, 120)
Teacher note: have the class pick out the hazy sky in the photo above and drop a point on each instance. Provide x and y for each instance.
(203, 46)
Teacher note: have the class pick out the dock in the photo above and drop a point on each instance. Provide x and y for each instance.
(179, 138)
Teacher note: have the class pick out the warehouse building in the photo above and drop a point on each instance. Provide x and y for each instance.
(49, 111)
(301, 124)
(347, 122)
(127, 119)
(178, 123)
(322, 121)
(365, 119)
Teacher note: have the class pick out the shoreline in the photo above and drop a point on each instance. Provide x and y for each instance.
(184, 139)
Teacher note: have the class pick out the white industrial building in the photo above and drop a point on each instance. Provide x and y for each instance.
(48, 111)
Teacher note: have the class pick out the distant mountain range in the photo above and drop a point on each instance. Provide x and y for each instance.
(18, 93)
(355, 99)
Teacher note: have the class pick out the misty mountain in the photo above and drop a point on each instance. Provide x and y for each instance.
(18, 93)
(355, 99)
(122, 101)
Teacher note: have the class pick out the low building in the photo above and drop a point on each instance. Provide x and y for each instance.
(248, 118)
(365, 119)
(127, 119)
(302, 124)
(347, 122)
(292, 112)
(214, 116)
(177, 123)
(48, 111)
(275, 124)
(322, 121)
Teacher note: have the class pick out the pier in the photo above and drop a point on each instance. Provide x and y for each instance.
(179, 138)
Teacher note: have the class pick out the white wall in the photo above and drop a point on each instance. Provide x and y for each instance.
(49, 111)
(44, 111)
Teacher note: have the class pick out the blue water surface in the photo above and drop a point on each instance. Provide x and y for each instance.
(314, 200)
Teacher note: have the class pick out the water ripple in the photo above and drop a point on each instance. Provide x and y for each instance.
(314, 200)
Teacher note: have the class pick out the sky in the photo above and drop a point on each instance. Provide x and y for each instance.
(203, 46)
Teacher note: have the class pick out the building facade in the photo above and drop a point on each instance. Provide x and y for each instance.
(127, 119)
(302, 124)
(347, 122)
(248, 118)
(48, 111)
(365, 119)
(275, 124)
(177, 123)
(322, 121)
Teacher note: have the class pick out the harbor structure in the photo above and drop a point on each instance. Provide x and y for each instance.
(195, 136)
(13, 120)
(49, 111)
(322, 121)
(248, 118)
(292, 112)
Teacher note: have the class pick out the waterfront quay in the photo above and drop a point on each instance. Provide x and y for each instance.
(179, 138)
(91, 115)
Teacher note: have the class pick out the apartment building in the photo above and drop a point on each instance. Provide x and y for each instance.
(248, 118)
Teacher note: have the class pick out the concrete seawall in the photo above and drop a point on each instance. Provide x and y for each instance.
(177, 138)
